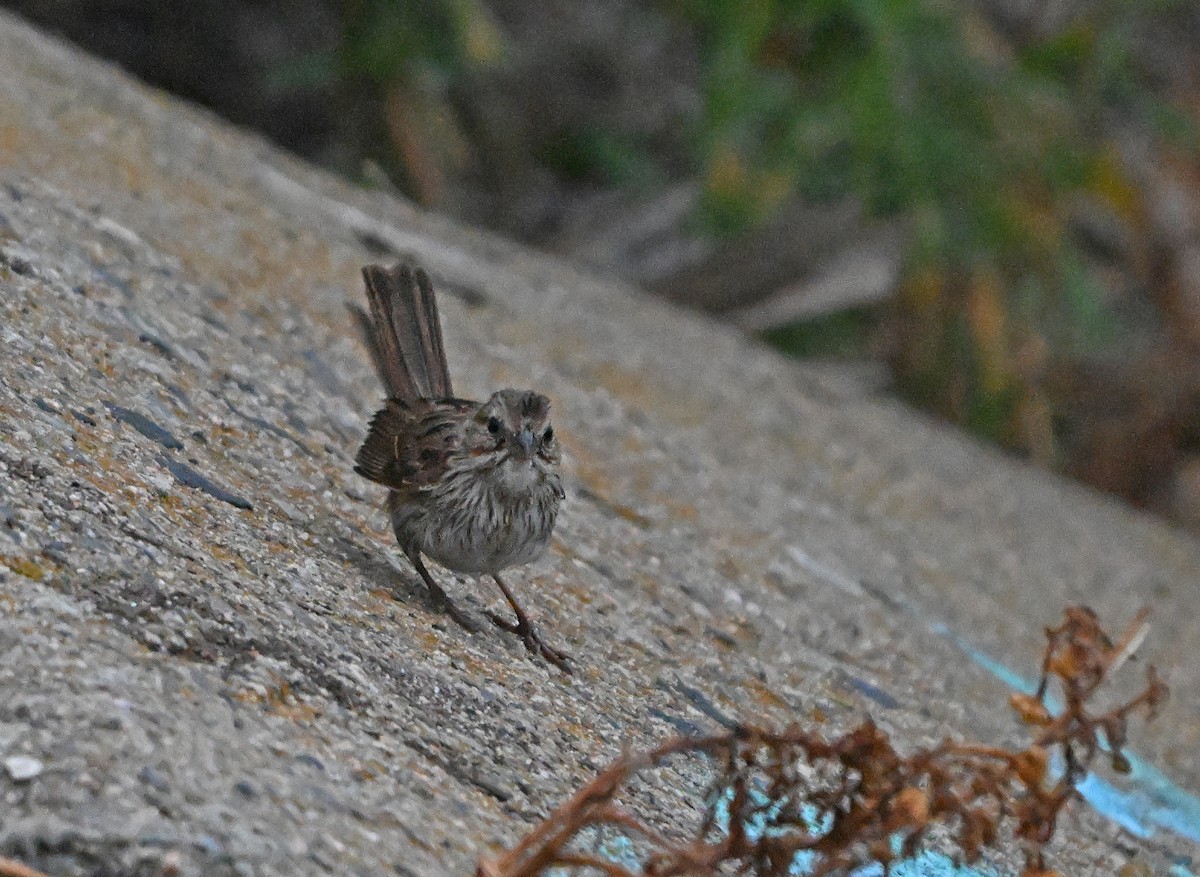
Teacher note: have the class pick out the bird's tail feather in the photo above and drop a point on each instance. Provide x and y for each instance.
(403, 332)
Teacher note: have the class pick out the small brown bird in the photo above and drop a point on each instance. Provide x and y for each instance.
(473, 485)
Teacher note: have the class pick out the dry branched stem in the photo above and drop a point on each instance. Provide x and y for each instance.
(850, 800)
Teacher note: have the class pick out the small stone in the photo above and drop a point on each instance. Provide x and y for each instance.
(293, 513)
(161, 483)
(18, 258)
(310, 760)
(56, 550)
(154, 778)
(22, 769)
(210, 846)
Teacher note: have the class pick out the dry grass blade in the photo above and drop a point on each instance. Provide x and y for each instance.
(854, 799)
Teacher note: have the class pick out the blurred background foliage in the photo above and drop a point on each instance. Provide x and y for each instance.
(996, 203)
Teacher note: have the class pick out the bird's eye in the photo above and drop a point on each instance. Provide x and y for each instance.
(548, 435)
(493, 425)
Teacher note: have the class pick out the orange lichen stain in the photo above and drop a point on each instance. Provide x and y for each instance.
(632, 444)
(197, 194)
(300, 494)
(23, 566)
(276, 547)
(476, 666)
(219, 552)
(518, 333)
(12, 141)
(642, 480)
(746, 538)
(629, 514)
(259, 253)
(132, 170)
(649, 583)
(581, 457)
(621, 382)
(680, 511)
(724, 640)
(674, 403)
(268, 263)
(298, 712)
(766, 696)
(227, 435)
(581, 594)
(103, 483)
(369, 770)
(728, 567)
(575, 730)
(601, 487)
(193, 512)
(170, 501)
(429, 639)
(280, 700)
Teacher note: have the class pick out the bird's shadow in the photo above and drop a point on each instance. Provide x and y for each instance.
(379, 565)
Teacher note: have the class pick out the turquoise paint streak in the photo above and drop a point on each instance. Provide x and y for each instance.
(620, 850)
(1151, 802)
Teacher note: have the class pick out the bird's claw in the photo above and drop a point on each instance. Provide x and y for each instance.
(533, 641)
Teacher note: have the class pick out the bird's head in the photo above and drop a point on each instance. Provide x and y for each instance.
(516, 424)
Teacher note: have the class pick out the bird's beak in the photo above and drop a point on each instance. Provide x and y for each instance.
(525, 440)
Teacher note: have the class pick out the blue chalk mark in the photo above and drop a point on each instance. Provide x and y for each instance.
(1163, 802)
(1009, 677)
(1178, 870)
(1151, 802)
(1114, 803)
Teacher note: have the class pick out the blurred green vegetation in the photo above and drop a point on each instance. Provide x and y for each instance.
(400, 42)
(403, 58)
(976, 144)
(845, 333)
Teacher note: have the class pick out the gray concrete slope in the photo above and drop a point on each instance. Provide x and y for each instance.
(206, 642)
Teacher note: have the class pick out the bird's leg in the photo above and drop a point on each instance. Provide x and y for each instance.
(441, 597)
(527, 632)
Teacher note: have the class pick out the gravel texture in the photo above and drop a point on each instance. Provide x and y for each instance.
(210, 659)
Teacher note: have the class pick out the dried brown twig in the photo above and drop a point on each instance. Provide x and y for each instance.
(855, 799)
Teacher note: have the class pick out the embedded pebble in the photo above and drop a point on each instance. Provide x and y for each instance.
(189, 477)
(22, 768)
(144, 425)
(20, 259)
(154, 778)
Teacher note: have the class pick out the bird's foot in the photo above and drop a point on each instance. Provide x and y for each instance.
(529, 635)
